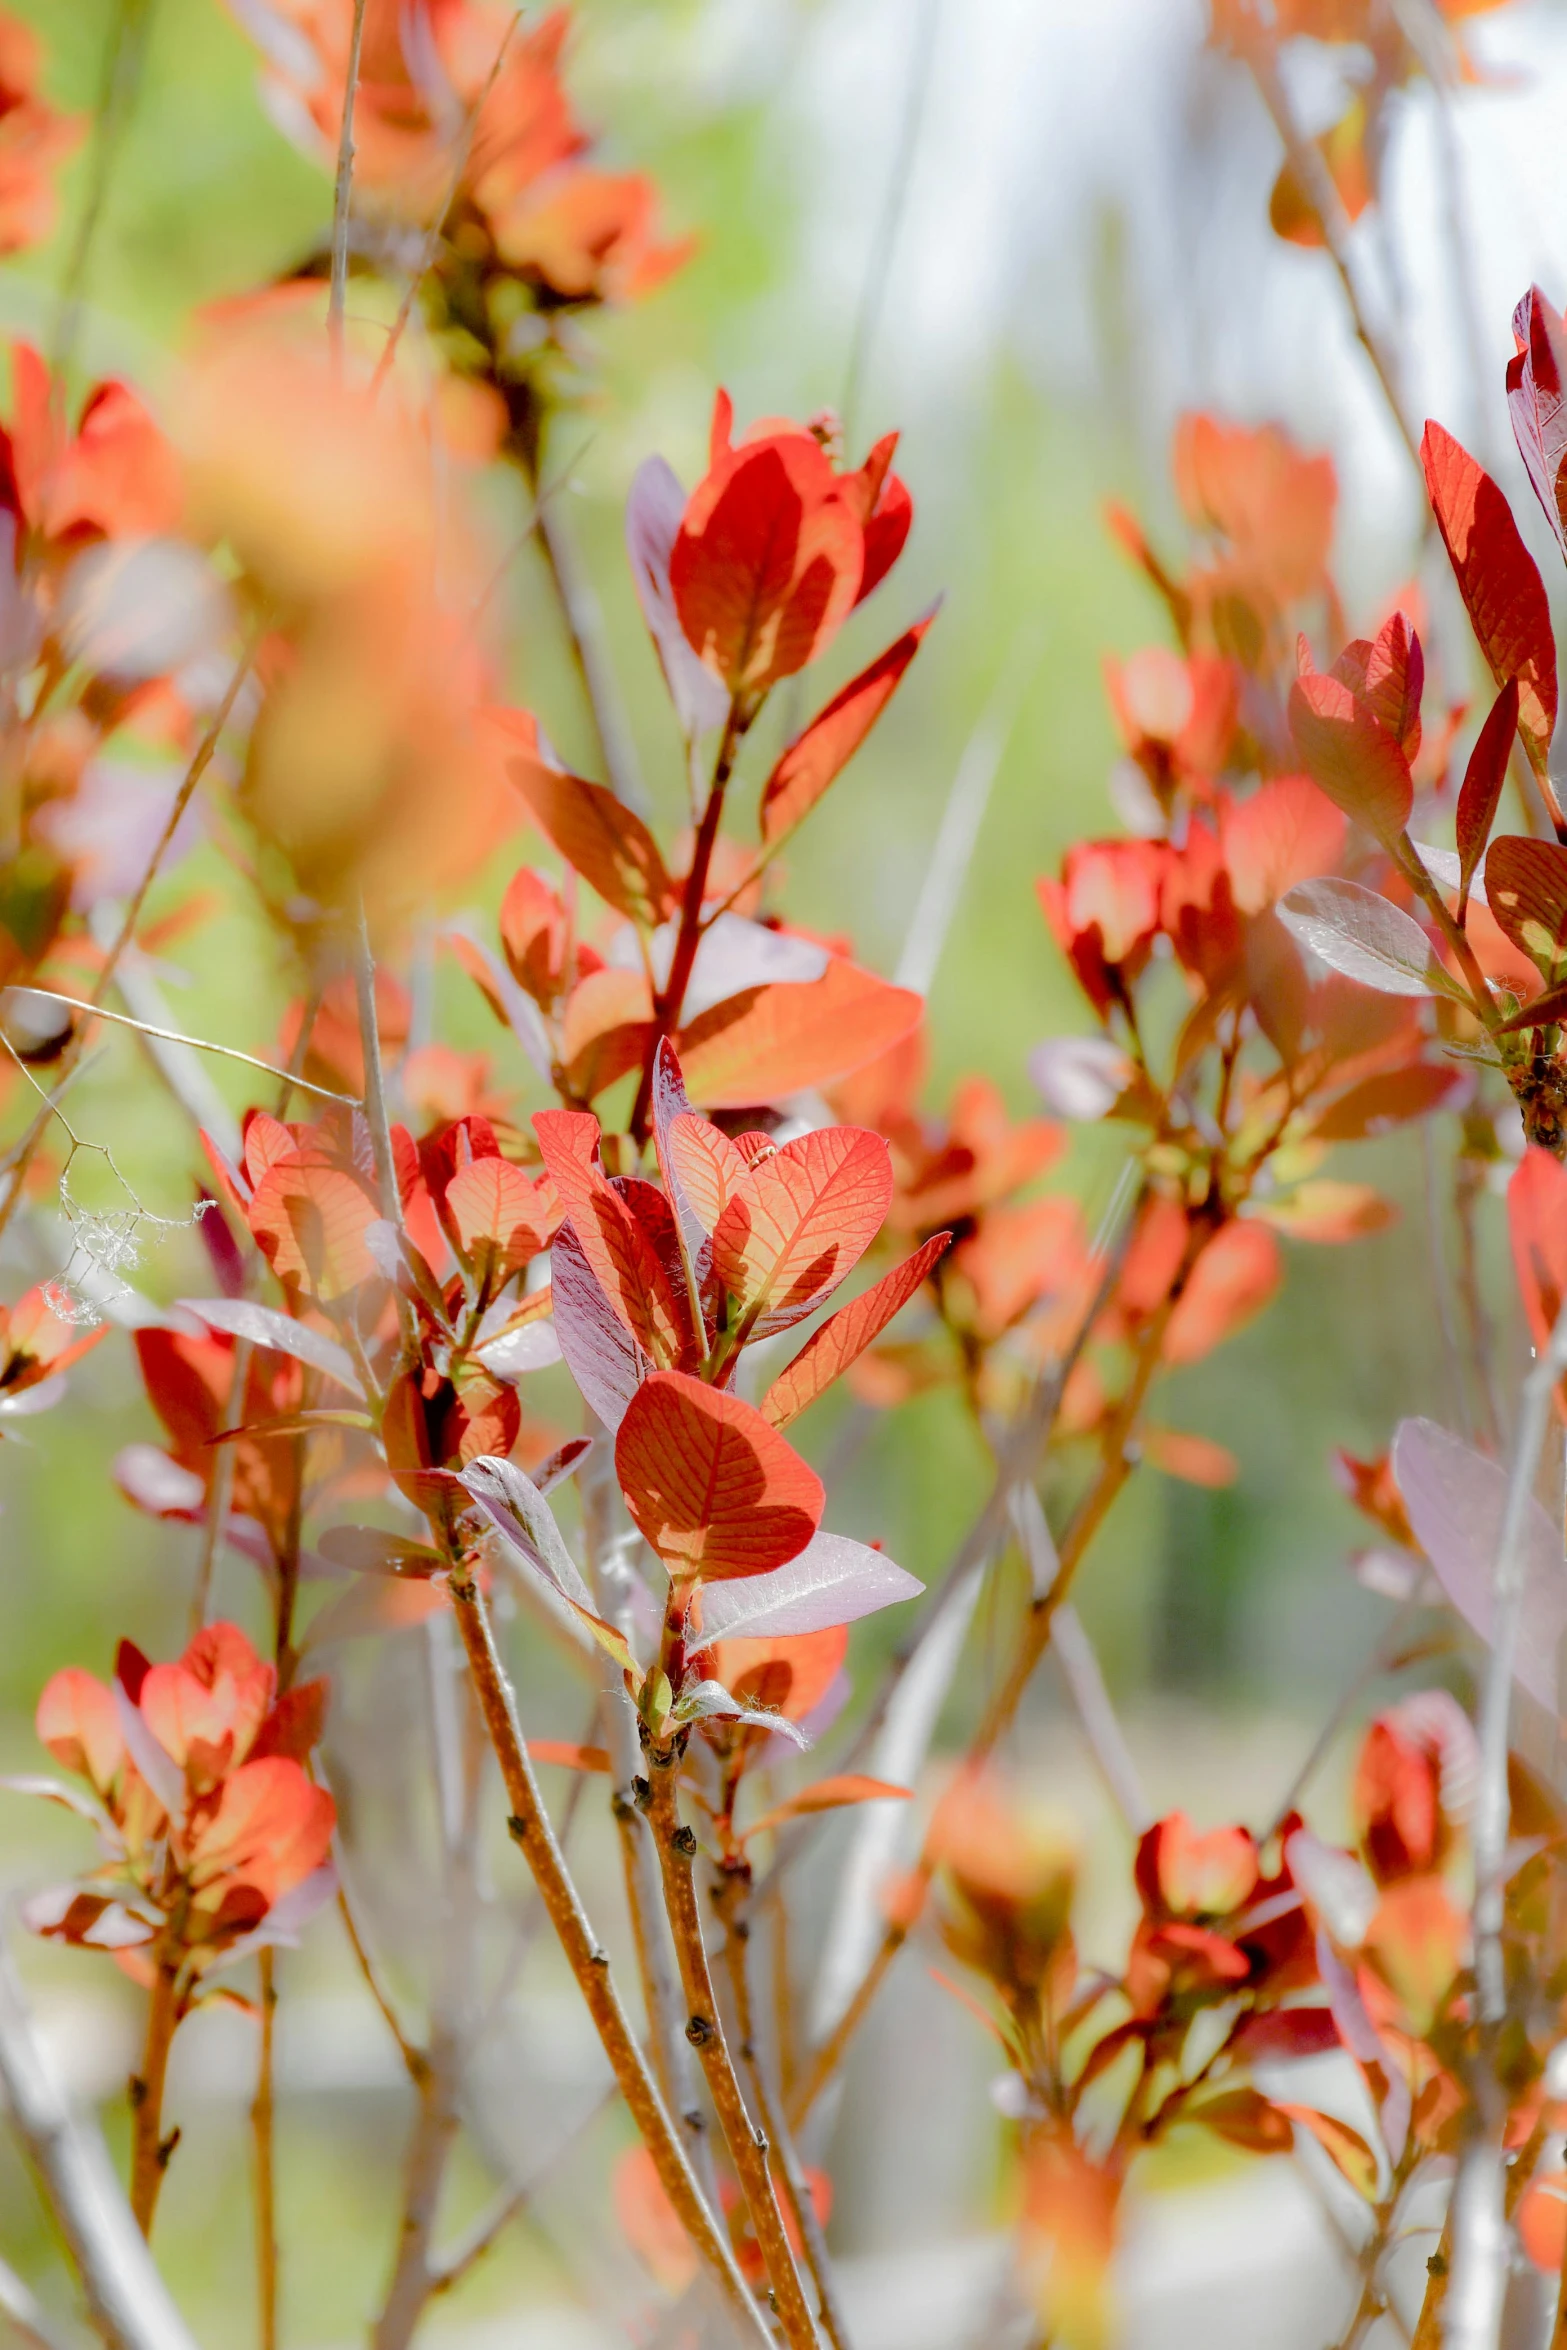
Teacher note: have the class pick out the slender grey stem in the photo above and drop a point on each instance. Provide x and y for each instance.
(958, 834)
(1472, 2314)
(343, 189)
(129, 2303)
(26, 2316)
(884, 244)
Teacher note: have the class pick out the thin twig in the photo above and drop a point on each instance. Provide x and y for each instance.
(1316, 184)
(958, 833)
(343, 187)
(510, 2204)
(376, 1113)
(1085, 1681)
(589, 1961)
(672, 2055)
(262, 2126)
(1472, 2320)
(584, 623)
(748, 2146)
(884, 244)
(1369, 1670)
(729, 1901)
(122, 68)
(432, 237)
(26, 2316)
(200, 1044)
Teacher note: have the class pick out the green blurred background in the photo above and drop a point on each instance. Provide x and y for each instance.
(1078, 249)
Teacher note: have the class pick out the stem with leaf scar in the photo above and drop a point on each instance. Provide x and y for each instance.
(150, 2150)
(748, 2145)
(670, 1000)
(589, 1962)
(731, 1901)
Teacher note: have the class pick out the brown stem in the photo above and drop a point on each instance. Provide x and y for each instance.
(589, 1962)
(21, 1157)
(1117, 1461)
(670, 1000)
(671, 2051)
(262, 2121)
(1453, 931)
(729, 1900)
(149, 2151)
(748, 2146)
(414, 2270)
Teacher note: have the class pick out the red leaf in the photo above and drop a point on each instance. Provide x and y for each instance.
(1287, 831)
(715, 1490)
(770, 1042)
(831, 1349)
(1351, 755)
(798, 1222)
(620, 1254)
(1483, 780)
(601, 838)
(1499, 584)
(1526, 887)
(497, 1213)
(1395, 678)
(822, 752)
(1537, 1223)
(768, 561)
(599, 1350)
(1535, 382)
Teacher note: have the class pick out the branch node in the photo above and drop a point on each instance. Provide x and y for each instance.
(683, 1841)
(699, 2031)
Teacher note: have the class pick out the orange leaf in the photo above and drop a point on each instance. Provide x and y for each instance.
(600, 837)
(1346, 2147)
(830, 1795)
(770, 1042)
(705, 1166)
(801, 1221)
(715, 1490)
(822, 752)
(1234, 1278)
(310, 1224)
(1499, 583)
(831, 1349)
(570, 1756)
(496, 1210)
(605, 1029)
